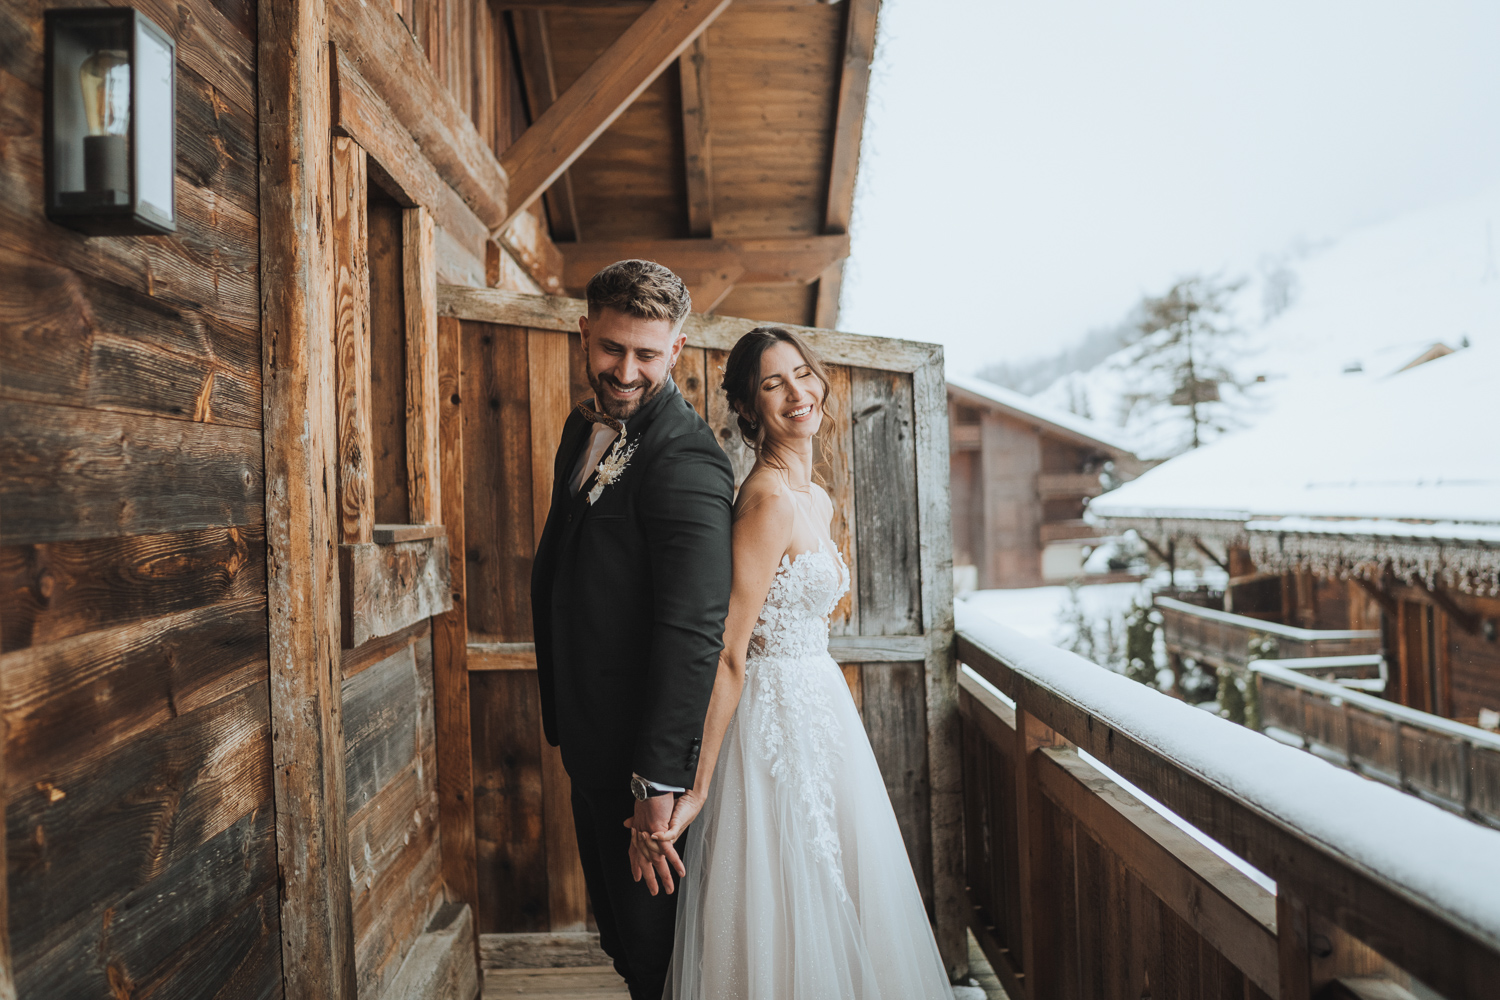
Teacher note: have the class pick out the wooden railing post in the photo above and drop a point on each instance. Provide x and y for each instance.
(1292, 938)
(1038, 886)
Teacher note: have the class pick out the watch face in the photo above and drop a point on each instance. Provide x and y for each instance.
(639, 789)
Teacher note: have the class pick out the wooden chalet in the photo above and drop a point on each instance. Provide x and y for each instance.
(1366, 572)
(1021, 476)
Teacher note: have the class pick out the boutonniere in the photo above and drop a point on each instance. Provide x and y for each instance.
(611, 467)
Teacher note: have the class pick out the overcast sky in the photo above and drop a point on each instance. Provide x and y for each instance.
(1032, 167)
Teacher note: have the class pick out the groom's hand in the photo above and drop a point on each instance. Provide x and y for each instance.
(654, 815)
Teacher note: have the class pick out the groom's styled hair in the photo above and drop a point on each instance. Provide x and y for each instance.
(640, 288)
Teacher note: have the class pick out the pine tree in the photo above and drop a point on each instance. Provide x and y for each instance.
(1185, 350)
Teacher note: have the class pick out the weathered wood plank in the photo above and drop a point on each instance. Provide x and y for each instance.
(455, 772)
(527, 241)
(90, 693)
(351, 333)
(384, 53)
(887, 528)
(138, 939)
(896, 720)
(547, 375)
(399, 164)
(598, 97)
(388, 379)
(76, 474)
(502, 656)
(89, 343)
(354, 661)
(388, 587)
(508, 804)
(723, 421)
(499, 499)
(89, 830)
(691, 376)
(834, 461)
(238, 958)
(935, 565)
(703, 263)
(555, 312)
(1223, 905)
(390, 534)
(697, 137)
(877, 648)
(210, 264)
(380, 726)
(52, 591)
(301, 419)
(534, 41)
(419, 267)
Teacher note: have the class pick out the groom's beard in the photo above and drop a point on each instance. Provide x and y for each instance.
(623, 410)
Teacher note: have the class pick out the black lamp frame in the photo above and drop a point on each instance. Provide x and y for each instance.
(135, 217)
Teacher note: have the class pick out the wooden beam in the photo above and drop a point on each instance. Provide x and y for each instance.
(631, 63)
(389, 587)
(396, 163)
(351, 333)
(830, 291)
(419, 270)
(383, 51)
(849, 122)
(537, 70)
(555, 312)
(450, 675)
(1198, 544)
(697, 138)
(302, 584)
(7, 975)
(1466, 620)
(709, 264)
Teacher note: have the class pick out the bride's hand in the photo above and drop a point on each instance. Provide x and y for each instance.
(684, 811)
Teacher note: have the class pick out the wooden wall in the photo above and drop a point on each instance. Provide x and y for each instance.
(519, 385)
(390, 768)
(138, 792)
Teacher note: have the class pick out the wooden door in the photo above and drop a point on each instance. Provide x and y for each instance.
(885, 461)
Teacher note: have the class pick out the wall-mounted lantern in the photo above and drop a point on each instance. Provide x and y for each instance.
(111, 122)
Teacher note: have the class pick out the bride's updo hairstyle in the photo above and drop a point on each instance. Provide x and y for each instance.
(742, 379)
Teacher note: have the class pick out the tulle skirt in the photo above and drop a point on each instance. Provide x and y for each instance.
(798, 884)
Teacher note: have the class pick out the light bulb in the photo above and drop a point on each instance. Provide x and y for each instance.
(105, 80)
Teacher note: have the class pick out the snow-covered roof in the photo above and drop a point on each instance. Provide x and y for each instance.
(1026, 408)
(1398, 474)
(1419, 445)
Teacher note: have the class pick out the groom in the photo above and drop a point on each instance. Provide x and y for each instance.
(628, 595)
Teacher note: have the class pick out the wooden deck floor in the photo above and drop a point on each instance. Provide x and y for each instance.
(601, 982)
(596, 983)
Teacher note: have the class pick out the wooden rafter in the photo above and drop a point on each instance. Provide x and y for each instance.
(567, 128)
(1379, 594)
(535, 45)
(712, 267)
(849, 125)
(697, 139)
(1221, 563)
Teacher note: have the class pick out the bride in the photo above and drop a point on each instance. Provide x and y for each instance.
(795, 884)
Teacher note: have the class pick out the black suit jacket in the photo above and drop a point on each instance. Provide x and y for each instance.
(628, 598)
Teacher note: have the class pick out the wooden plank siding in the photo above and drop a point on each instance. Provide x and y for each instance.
(139, 822)
(514, 407)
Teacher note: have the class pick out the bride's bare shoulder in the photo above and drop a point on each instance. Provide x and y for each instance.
(763, 496)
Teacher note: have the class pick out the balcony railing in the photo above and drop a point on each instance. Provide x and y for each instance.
(1223, 639)
(1448, 763)
(1082, 886)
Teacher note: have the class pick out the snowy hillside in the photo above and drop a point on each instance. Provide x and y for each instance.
(1358, 308)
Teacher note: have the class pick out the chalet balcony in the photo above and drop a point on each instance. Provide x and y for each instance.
(1445, 762)
(1119, 843)
(1223, 639)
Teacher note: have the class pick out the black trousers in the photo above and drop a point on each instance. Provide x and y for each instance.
(635, 928)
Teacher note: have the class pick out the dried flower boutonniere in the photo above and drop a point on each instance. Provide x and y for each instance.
(611, 467)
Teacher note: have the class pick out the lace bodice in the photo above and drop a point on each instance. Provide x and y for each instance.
(788, 686)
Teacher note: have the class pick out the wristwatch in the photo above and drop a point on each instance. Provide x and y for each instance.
(643, 789)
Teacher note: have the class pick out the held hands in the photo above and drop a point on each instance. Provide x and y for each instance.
(654, 829)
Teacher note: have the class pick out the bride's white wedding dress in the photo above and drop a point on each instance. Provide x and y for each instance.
(798, 885)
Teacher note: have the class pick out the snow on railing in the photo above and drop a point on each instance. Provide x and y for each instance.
(1260, 625)
(1446, 864)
